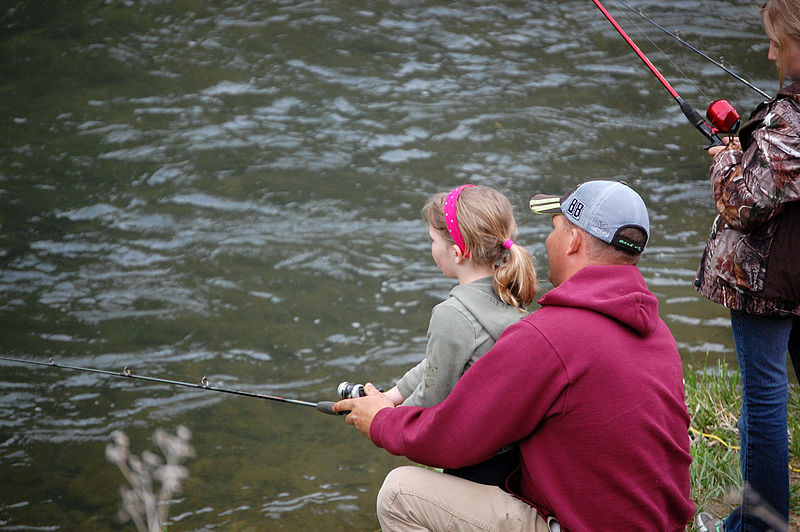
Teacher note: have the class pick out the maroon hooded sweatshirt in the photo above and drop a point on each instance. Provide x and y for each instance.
(591, 387)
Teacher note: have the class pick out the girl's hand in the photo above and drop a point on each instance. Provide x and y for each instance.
(395, 396)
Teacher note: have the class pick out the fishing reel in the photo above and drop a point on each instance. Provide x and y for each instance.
(723, 117)
(347, 390)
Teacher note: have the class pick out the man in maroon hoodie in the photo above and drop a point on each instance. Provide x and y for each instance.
(589, 386)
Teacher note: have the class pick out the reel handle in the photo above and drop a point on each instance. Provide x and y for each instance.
(714, 142)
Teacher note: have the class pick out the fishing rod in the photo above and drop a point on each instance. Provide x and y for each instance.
(726, 114)
(325, 407)
(692, 48)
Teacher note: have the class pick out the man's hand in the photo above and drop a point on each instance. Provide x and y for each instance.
(363, 409)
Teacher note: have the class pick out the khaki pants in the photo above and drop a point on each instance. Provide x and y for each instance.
(417, 499)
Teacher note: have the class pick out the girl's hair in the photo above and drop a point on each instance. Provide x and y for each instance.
(486, 221)
(782, 20)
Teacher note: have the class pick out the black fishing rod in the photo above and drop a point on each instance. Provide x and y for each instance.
(323, 406)
(689, 112)
(692, 48)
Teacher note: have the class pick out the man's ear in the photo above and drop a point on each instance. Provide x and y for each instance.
(575, 240)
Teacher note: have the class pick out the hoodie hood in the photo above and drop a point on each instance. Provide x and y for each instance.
(485, 305)
(618, 291)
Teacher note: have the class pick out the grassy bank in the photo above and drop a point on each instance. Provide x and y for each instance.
(714, 399)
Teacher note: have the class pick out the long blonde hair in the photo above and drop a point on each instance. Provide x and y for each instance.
(782, 20)
(486, 221)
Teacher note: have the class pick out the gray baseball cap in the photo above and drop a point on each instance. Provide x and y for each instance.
(602, 209)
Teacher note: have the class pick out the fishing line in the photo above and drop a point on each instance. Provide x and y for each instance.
(688, 111)
(699, 52)
(323, 406)
(668, 56)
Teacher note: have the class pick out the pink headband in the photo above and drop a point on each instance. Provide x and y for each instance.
(450, 218)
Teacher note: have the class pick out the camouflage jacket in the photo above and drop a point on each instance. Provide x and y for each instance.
(752, 259)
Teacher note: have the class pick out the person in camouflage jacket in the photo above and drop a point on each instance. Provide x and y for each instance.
(751, 265)
(756, 187)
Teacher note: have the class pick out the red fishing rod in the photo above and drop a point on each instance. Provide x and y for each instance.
(723, 112)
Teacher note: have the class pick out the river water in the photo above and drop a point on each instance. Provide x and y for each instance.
(231, 189)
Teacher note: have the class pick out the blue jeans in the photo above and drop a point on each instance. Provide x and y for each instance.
(761, 344)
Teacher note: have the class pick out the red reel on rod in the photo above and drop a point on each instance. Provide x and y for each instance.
(723, 117)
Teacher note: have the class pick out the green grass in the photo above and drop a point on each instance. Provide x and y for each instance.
(713, 397)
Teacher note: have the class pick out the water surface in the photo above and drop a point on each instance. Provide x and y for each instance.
(231, 189)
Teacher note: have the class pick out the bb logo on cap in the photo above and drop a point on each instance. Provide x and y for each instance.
(575, 208)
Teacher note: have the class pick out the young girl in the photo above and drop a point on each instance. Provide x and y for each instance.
(472, 230)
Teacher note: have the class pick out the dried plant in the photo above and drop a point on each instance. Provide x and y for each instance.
(140, 503)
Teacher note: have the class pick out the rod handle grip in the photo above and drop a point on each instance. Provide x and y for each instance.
(697, 121)
(326, 407)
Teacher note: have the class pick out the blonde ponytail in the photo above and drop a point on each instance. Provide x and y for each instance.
(515, 279)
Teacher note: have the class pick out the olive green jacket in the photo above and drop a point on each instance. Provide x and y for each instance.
(462, 329)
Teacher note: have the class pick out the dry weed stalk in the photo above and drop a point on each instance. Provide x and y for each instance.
(140, 504)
